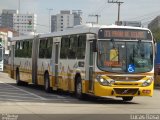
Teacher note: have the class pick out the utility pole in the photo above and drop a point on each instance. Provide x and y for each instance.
(119, 4)
(97, 17)
(49, 17)
(19, 7)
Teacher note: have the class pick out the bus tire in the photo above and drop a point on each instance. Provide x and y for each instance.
(47, 87)
(127, 98)
(78, 88)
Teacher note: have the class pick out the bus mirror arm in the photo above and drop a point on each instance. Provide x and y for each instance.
(94, 45)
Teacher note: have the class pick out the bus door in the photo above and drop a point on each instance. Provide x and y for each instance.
(56, 59)
(91, 54)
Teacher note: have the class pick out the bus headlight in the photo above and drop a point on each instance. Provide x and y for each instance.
(104, 82)
(147, 82)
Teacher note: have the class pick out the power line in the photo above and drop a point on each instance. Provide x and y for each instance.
(146, 18)
(96, 11)
(99, 5)
(142, 17)
(49, 16)
(19, 7)
(101, 8)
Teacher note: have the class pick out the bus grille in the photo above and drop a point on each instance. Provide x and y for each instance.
(124, 91)
(125, 83)
(124, 78)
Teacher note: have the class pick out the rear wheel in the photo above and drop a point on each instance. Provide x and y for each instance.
(47, 83)
(127, 98)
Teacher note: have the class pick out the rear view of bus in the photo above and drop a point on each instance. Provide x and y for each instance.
(125, 62)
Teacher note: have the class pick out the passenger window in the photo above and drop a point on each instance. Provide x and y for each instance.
(23, 49)
(45, 48)
(81, 47)
(73, 47)
(65, 44)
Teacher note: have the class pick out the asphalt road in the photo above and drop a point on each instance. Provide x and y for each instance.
(33, 101)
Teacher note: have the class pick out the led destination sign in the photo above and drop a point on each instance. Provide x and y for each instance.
(124, 34)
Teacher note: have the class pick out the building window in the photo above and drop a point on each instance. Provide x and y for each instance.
(29, 16)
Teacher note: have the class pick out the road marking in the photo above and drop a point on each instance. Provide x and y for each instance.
(61, 97)
(16, 100)
(42, 98)
(11, 92)
(10, 89)
(18, 97)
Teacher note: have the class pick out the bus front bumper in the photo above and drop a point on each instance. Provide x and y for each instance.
(120, 91)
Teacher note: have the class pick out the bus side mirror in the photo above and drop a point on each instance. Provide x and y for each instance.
(94, 45)
(155, 45)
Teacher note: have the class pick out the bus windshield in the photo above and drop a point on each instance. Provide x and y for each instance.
(125, 56)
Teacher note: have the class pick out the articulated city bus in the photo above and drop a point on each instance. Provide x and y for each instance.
(89, 59)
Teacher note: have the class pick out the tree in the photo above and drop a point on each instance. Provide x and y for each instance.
(156, 34)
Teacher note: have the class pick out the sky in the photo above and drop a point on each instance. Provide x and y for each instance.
(134, 10)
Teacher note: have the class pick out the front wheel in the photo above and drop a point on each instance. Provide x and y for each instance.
(127, 98)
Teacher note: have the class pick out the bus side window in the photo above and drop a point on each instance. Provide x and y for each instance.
(65, 44)
(16, 49)
(30, 49)
(25, 49)
(73, 47)
(21, 45)
(41, 48)
(81, 47)
(48, 51)
(45, 48)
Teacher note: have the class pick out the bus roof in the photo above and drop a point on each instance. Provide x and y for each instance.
(79, 29)
(25, 37)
